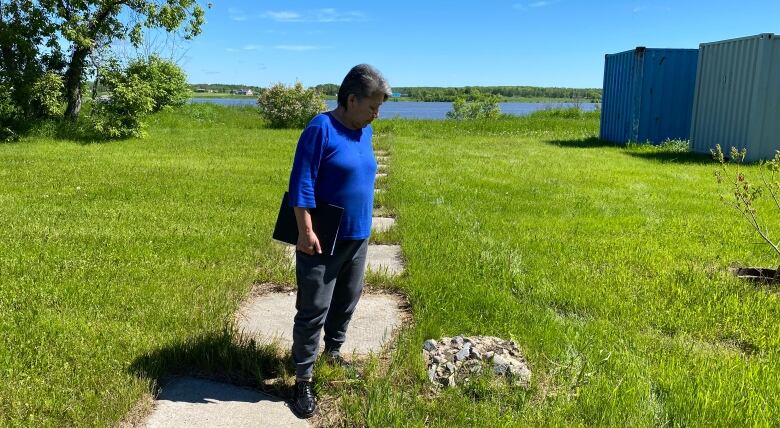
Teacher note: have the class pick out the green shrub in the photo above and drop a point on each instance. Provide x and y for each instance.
(8, 109)
(129, 99)
(478, 107)
(47, 95)
(167, 80)
(290, 107)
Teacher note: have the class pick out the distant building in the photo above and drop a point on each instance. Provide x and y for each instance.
(200, 90)
(244, 92)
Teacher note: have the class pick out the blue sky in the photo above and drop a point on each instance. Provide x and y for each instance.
(453, 43)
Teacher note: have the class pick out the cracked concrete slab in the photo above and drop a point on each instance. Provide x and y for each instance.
(270, 317)
(382, 224)
(385, 259)
(192, 403)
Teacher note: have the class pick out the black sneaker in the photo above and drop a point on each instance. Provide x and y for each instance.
(303, 402)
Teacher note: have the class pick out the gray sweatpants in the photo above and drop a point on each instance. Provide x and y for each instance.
(329, 288)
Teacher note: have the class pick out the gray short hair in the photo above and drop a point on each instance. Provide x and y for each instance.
(364, 81)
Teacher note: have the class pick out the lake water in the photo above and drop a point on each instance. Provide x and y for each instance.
(417, 109)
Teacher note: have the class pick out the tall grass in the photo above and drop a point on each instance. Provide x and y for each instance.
(123, 262)
(607, 264)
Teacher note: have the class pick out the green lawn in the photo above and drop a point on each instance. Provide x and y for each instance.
(123, 262)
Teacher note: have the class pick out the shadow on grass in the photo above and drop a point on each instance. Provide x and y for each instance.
(583, 143)
(221, 356)
(672, 157)
(656, 153)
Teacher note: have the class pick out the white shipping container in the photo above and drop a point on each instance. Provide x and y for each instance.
(737, 96)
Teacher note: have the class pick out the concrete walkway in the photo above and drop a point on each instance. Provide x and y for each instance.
(269, 317)
(382, 224)
(191, 403)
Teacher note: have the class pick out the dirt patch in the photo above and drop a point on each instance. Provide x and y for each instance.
(138, 413)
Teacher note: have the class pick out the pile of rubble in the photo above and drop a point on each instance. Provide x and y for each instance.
(452, 361)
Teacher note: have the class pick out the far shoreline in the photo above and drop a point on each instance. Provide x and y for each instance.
(409, 99)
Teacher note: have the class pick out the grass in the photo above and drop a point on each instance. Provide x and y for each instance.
(123, 262)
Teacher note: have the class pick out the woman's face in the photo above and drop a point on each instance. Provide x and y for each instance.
(361, 112)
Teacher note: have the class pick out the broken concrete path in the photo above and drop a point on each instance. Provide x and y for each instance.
(270, 317)
(192, 403)
(382, 224)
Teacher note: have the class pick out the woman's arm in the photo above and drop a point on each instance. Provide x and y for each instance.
(307, 240)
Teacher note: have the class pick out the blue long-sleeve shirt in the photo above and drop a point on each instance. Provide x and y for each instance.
(336, 165)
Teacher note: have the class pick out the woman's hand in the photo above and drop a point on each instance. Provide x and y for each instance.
(308, 243)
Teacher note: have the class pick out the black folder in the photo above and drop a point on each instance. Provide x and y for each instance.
(325, 219)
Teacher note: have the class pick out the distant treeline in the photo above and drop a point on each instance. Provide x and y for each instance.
(222, 88)
(421, 93)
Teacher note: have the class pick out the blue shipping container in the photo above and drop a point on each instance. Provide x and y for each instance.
(648, 95)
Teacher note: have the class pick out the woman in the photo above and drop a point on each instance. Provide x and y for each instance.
(334, 163)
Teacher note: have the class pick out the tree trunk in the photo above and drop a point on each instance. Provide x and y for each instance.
(95, 85)
(73, 83)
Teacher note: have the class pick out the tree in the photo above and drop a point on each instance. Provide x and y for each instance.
(167, 80)
(83, 22)
(29, 48)
(130, 98)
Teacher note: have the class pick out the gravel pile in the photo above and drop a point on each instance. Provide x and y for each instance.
(452, 361)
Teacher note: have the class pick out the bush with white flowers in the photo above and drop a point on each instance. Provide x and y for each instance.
(290, 107)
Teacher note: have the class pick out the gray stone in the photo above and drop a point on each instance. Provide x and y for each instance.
(451, 381)
(520, 371)
(500, 365)
(463, 353)
(470, 354)
(473, 366)
(429, 345)
(432, 373)
(192, 403)
(270, 317)
(457, 340)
